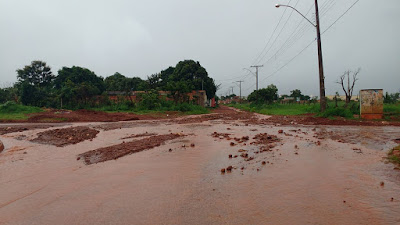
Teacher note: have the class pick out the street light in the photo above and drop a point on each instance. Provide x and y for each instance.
(320, 62)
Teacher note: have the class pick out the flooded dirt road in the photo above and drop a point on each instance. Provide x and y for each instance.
(291, 174)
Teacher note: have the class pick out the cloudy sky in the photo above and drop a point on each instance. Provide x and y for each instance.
(140, 38)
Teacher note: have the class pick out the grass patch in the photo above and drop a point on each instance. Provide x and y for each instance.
(394, 158)
(278, 109)
(163, 107)
(337, 112)
(298, 109)
(14, 111)
(391, 108)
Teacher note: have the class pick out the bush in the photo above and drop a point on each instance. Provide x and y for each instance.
(341, 112)
(149, 101)
(12, 107)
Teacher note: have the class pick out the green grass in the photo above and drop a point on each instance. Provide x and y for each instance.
(278, 109)
(392, 158)
(185, 108)
(299, 109)
(14, 111)
(391, 108)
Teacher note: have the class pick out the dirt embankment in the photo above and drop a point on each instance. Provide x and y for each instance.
(21, 128)
(66, 136)
(125, 148)
(80, 116)
(309, 119)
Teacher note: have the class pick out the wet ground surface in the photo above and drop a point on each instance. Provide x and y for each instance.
(229, 167)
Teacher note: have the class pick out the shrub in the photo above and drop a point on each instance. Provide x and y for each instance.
(12, 107)
(341, 112)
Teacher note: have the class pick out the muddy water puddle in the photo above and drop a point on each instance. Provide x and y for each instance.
(308, 177)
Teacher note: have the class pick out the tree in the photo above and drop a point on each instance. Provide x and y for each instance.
(265, 95)
(35, 84)
(8, 94)
(119, 82)
(179, 89)
(391, 98)
(194, 75)
(79, 75)
(348, 91)
(37, 74)
(296, 94)
(78, 85)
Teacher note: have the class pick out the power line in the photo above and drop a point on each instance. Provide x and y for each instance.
(276, 38)
(293, 38)
(341, 16)
(270, 38)
(311, 41)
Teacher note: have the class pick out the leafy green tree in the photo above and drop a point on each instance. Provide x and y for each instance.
(78, 86)
(37, 74)
(35, 84)
(391, 98)
(194, 75)
(8, 94)
(79, 75)
(116, 82)
(265, 95)
(296, 94)
(179, 89)
(119, 82)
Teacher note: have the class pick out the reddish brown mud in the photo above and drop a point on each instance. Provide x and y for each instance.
(290, 174)
(66, 136)
(10, 128)
(125, 148)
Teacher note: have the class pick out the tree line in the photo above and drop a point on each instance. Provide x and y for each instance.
(74, 87)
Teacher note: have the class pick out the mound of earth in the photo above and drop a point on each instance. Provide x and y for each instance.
(66, 136)
(81, 116)
(21, 128)
(126, 148)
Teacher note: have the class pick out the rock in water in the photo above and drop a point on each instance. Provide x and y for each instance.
(1, 146)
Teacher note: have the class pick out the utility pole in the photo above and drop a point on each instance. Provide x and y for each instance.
(320, 62)
(240, 88)
(257, 66)
(322, 99)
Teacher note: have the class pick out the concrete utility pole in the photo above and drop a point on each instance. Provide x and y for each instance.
(240, 88)
(257, 74)
(320, 62)
(322, 99)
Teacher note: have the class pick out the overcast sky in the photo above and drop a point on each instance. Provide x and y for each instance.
(140, 38)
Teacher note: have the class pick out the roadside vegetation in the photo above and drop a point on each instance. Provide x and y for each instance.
(266, 101)
(394, 155)
(13, 111)
(76, 88)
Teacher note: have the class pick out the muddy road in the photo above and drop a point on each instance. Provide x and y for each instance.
(228, 167)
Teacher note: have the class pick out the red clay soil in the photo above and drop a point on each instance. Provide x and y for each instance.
(125, 148)
(66, 136)
(21, 128)
(80, 116)
(309, 119)
(221, 113)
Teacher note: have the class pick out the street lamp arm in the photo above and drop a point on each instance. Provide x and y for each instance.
(250, 71)
(279, 5)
